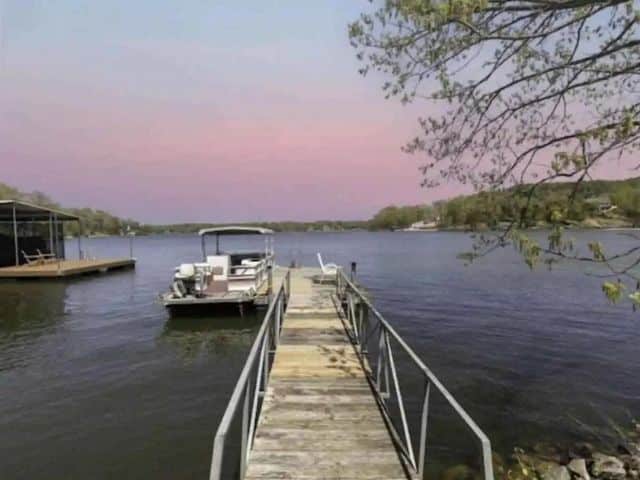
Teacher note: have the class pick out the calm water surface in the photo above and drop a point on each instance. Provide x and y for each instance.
(96, 381)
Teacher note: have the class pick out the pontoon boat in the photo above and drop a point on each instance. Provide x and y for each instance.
(223, 278)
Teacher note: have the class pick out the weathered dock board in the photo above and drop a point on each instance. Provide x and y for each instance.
(319, 419)
(65, 268)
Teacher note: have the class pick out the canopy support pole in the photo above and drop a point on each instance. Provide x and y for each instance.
(50, 232)
(79, 239)
(55, 226)
(15, 235)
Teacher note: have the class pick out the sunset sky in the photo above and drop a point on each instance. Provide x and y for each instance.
(199, 111)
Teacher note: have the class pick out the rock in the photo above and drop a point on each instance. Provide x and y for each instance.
(459, 472)
(581, 450)
(498, 465)
(623, 449)
(633, 462)
(578, 469)
(607, 467)
(553, 471)
(550, 452)
(633, 474)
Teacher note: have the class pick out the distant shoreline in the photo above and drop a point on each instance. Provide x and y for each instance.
(399, 230)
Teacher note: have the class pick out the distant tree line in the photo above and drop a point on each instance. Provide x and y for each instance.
(601, 202)
(612, 201)
(94, 222)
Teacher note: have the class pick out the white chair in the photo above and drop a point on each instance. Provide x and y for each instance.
(327, 269)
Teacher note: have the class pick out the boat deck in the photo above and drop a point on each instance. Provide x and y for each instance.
(320, 419)
(65, 268)
(261, 297)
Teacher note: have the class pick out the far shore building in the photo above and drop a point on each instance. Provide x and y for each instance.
(421, 226)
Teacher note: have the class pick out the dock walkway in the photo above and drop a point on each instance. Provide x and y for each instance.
(319, 419)
(65, 268)
(319, 396)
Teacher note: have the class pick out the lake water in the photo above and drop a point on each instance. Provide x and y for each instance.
(96, 381)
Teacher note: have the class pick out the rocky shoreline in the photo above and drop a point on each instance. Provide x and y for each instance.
(580, 462)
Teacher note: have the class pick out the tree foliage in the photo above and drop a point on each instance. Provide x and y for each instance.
(393, 217)
(513, 79)
(93, 221)
(520, 93)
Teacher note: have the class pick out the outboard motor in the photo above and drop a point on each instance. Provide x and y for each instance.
(184, 280)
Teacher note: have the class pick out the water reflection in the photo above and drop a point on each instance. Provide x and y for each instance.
(194, 337)
(28, 311)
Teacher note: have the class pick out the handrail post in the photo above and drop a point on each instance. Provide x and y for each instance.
(245, 431)
(288, 286)
(364, 327)
(216, 460)
(423, 429)
(276, 333)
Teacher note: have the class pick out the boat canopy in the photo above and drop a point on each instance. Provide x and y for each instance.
(232, 230)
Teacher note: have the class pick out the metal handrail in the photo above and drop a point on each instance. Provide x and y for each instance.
(268, 336)
(346, 291)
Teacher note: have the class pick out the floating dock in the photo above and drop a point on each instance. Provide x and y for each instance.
(311, 405)
(65, 268)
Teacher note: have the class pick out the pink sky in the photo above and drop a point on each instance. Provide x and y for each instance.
(201, 111)
(167, 126)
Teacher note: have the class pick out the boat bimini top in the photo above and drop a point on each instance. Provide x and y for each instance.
(236, 230)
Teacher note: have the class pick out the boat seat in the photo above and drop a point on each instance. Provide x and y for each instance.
(218, 282)
(250, 263)
(219, 261)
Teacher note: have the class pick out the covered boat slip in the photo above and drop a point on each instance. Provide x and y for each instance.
(32, 244)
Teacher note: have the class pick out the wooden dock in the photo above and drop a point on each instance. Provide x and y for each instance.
(320, 419)
(65, 268)
(314, 395)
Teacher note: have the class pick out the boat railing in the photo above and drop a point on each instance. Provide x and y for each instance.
(365, 322)
(252, 384)
(258, 271)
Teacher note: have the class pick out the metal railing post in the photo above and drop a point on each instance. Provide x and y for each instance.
(256, 393)
(364, 327)
(288, 285)
(276, 333)
(403, 415)
(385, 362)
(423, 429)
(245, 432)
(216, 458)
